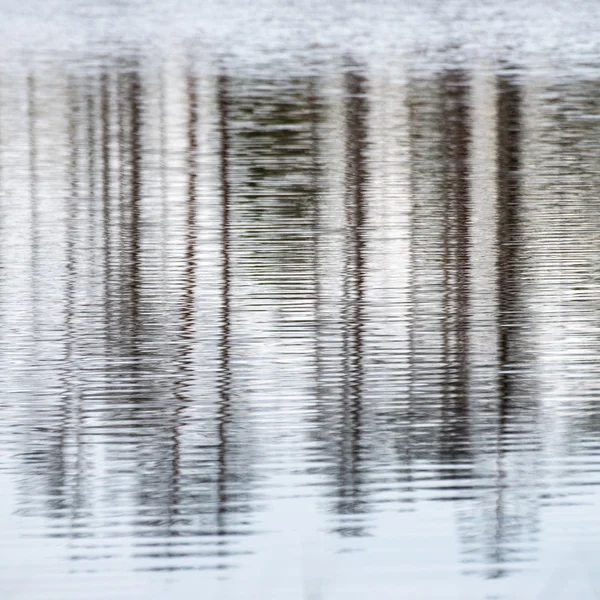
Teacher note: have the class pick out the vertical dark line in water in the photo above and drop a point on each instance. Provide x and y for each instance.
(128, 252)
(509, 141)
(447, 254)
(224, 412)
(70, 375)
(106, 194)
(33, 199)
(356, 134)
(316, 233)
(91, 134)
(56, 420)
(134, 101)
(53, 450)
(91, 156)
(163, 171)
(121, 241)
(2, 215)
(413, 99)
(456, 138)
(508, 161)
(92, 210)
(187, 310)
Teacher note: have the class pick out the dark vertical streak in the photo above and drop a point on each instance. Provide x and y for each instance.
(509, 142)
(134, 101)
(351, 465)
(106, 193)
(2, 216)
(122, 242)
(411, 415)
(316, 232)
(58, 475)
(129, 123)
(187, 310)
(33, 198)
(456, 137)
(91, 156)
(224, 413)
(72, 395)
(163, 167)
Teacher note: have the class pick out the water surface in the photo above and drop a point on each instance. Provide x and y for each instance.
(299, 302)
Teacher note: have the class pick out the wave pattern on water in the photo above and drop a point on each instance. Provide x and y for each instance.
(331, 329)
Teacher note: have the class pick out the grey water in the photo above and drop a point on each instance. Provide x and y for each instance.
(299, 300)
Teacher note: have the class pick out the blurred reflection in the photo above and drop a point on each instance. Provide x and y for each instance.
(510, 509)
(349, 451)
(388, 279)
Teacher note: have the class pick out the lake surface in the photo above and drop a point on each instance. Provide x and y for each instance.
(299, 300)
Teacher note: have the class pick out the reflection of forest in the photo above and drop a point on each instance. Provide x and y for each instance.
(187, 249)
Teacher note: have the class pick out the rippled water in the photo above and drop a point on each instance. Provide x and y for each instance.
(299, 301)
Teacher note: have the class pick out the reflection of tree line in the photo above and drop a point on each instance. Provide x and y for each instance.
(185, 479)
(191, 480)
(513, 516)
(349, 439)
(436, 423)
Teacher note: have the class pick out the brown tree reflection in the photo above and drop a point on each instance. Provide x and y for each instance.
(210, 279)
(350, 452)
(129, 341)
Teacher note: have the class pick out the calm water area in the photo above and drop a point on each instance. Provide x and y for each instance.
(299, 300)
